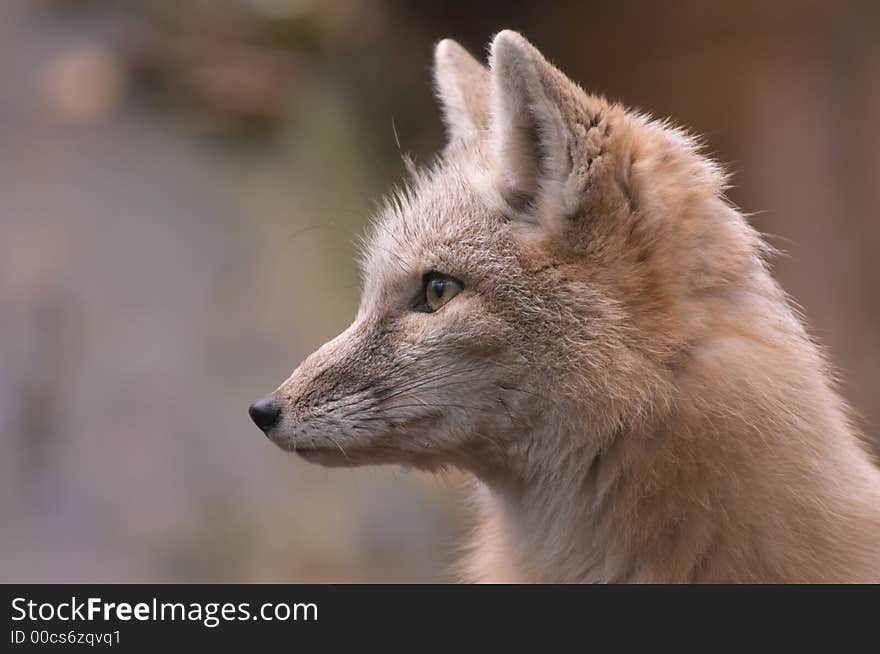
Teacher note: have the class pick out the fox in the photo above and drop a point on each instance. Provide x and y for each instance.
(566, 307)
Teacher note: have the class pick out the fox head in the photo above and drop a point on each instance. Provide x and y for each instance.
(535, 290)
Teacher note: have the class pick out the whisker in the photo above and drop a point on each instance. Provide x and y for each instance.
(336, 443)
(419, 383)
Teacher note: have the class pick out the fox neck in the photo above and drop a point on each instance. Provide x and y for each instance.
(684, 499)
(550, 519)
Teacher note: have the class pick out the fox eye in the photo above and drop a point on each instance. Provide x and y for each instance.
(438, 290)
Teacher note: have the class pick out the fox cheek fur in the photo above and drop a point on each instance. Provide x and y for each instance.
(567, 306)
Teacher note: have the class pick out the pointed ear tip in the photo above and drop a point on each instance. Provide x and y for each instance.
(510, 50)
(448, 50)
(508, 41)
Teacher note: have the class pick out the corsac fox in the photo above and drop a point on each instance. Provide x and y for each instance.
(566, 306)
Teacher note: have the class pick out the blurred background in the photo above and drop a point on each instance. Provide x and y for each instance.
(181, 187)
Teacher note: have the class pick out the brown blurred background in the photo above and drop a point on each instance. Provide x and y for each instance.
(181, 184)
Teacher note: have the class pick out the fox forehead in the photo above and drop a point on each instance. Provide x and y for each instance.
(447, 219)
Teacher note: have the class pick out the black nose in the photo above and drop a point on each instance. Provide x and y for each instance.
(265, 413)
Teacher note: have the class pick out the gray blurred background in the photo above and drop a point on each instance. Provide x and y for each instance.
(181, 186)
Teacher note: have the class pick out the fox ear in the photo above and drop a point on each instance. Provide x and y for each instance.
(462, 87)
(531, 138)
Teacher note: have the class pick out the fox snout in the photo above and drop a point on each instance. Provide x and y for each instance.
(321, 411)
(370, 397)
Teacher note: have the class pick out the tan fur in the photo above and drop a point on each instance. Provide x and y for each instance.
(633, 392)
